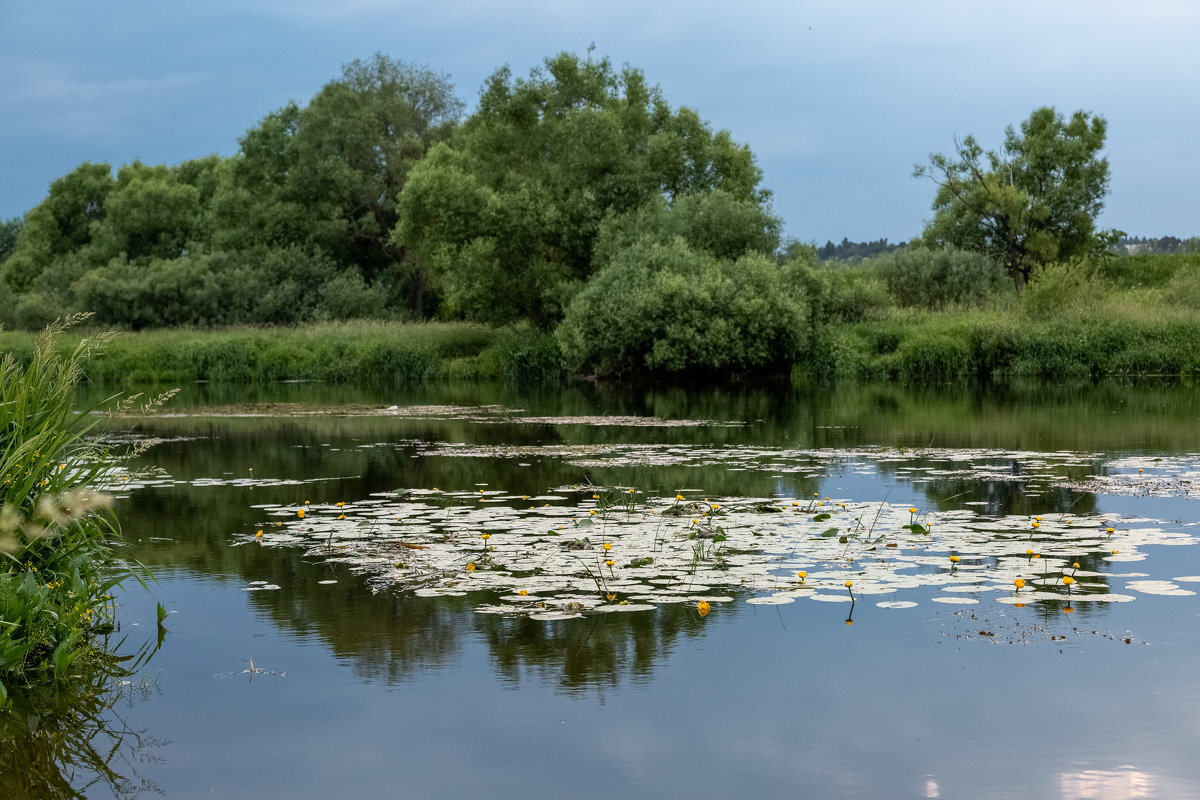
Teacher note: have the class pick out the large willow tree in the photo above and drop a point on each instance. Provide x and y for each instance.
(1034, 201)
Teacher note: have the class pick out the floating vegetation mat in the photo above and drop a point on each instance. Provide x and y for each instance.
(585, 550)
(478, 414)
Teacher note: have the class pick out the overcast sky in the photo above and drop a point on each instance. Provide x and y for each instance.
(838, 100)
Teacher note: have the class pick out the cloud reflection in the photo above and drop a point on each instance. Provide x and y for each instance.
(1125, 783)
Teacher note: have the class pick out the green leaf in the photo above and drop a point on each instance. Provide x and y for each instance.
(829, 533)
(821, 517)
(720, 537)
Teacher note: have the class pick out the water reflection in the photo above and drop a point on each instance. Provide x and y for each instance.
(593, 656)
(793, 699)
(70, 740)
(1097, 417)
(1126, 783)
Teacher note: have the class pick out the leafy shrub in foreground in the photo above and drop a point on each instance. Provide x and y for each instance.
(54, 528)
(667, 307)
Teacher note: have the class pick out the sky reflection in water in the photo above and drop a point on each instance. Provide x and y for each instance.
(398, 695)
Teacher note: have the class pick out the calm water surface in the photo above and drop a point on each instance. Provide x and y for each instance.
(360, 687)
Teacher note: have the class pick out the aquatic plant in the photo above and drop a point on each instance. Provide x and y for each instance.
(56, 528)
(571, 577)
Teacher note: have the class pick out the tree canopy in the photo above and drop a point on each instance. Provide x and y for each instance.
(1034, 201)
(507, 212)
(297, 225)
(328, 175)
(10, 229)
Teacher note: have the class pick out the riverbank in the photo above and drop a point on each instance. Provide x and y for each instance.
(999, 346)
(904, 345)
(348, 352)
(886, 319)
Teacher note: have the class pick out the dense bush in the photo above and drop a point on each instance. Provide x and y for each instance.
(1056, 289)
(941, 278)
(668, 307)
(840, 294)
(284, 285)
(525, 356)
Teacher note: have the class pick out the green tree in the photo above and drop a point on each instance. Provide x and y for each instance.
(1033, 202)
(329, 174)
(507, 213)
(150, 213)
(59, 225)
(713, 222)
(10, 229)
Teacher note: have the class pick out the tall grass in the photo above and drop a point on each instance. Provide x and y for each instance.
(1132, 316)
(348, 352)
(57, 565)
(1002, 346)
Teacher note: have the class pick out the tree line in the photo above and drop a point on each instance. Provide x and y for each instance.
(574, 200)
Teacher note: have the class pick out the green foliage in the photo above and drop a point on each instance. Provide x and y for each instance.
(1183, 289)
(507, 213)
(668, 307)
(1148, 270)
(151, 212)
(10, 229)
(328, 175)
(285, 285)
(839, 294)
(56, 563)
(1060, 288)
(31, 311)
(1034, 202)
(940, 278)
(202, 243)
(713, 222)
(527, 357)
(59, 225)
(1105, 339)
(365, 351)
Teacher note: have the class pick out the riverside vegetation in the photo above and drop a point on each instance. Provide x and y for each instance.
(56, 533)
(916, 314)
(576, 224)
